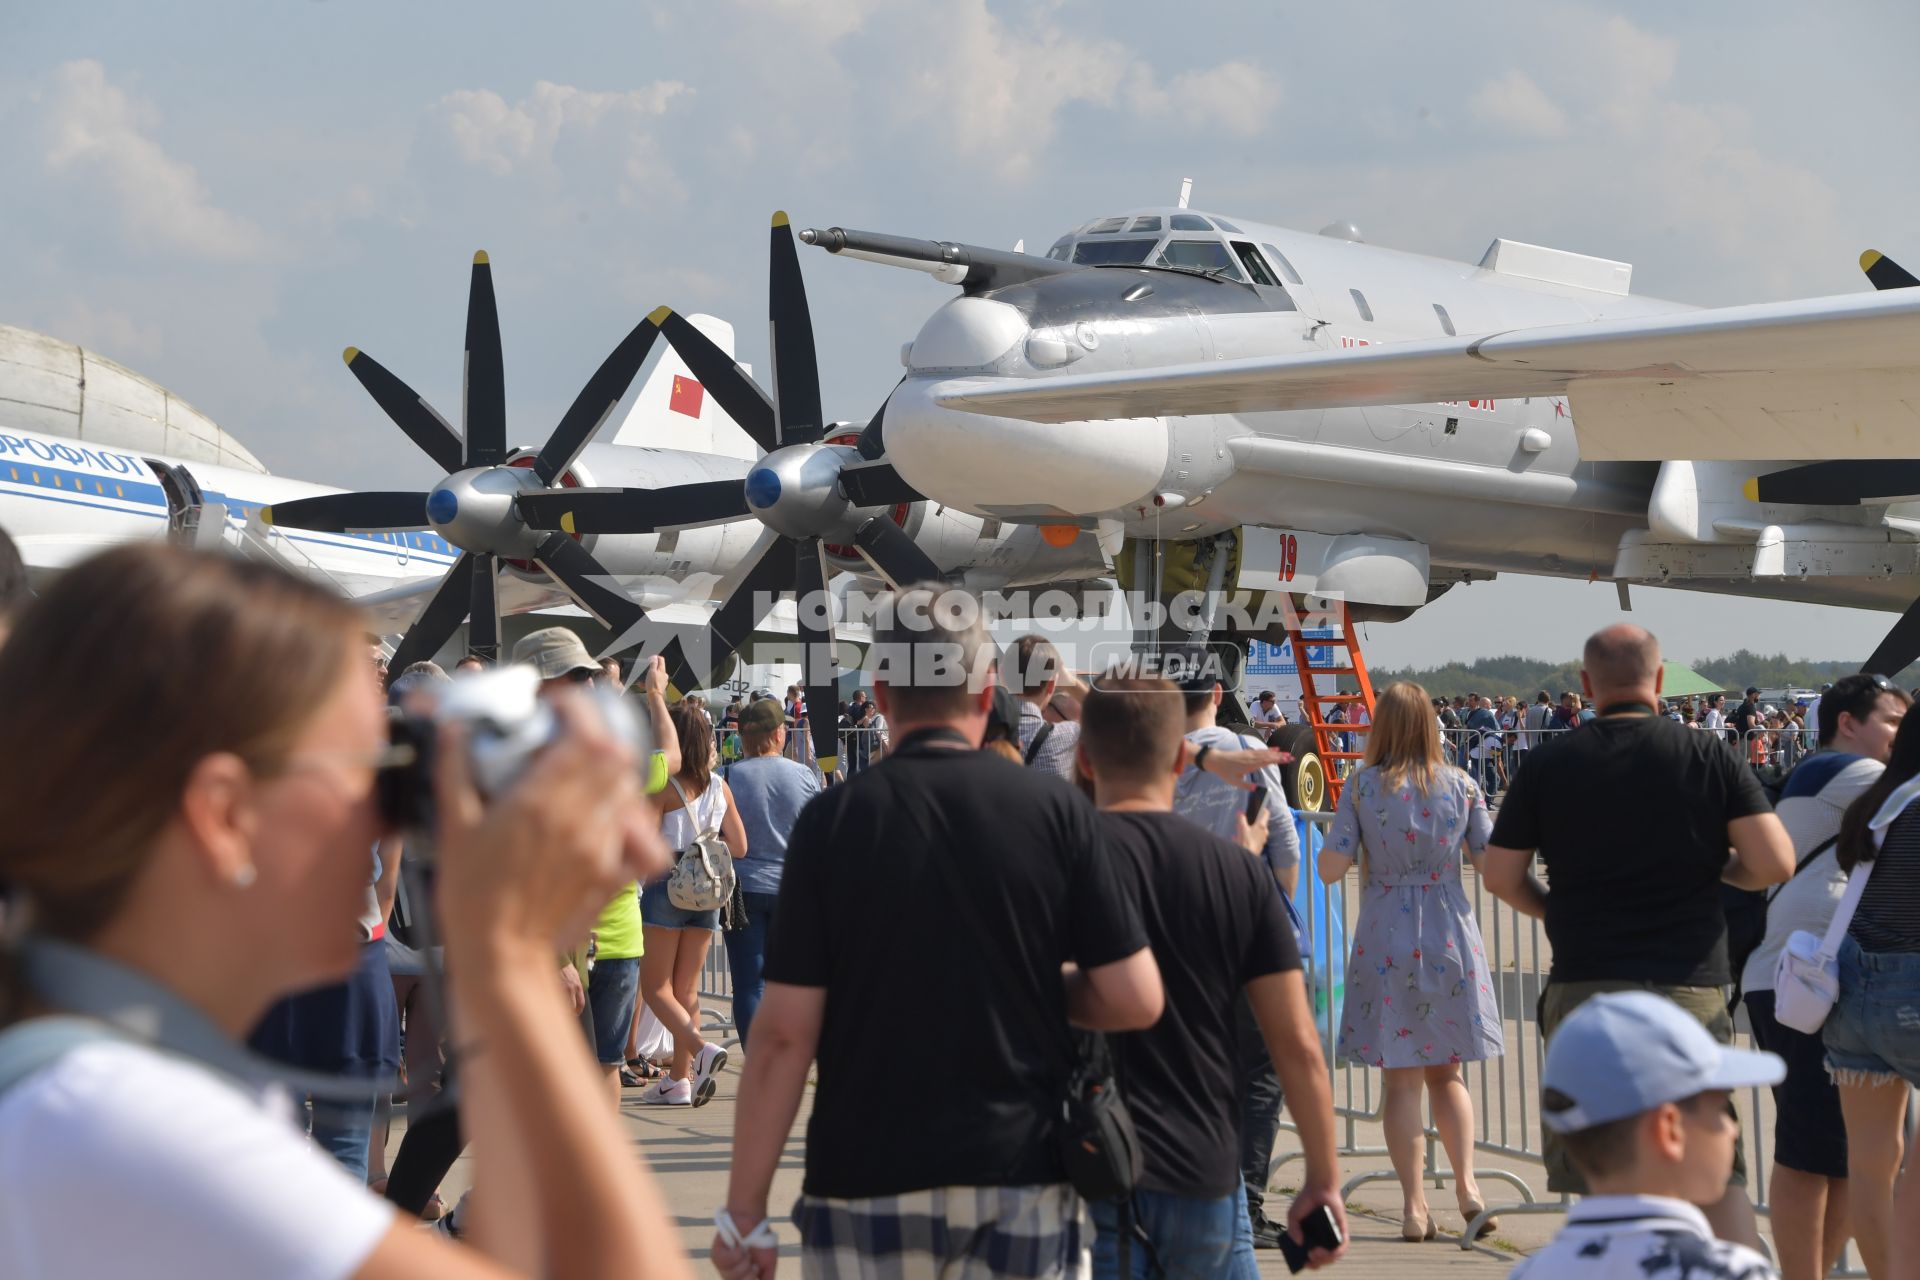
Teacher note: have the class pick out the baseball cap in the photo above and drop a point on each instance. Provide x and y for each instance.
(763, 716)
(1753, 688)
(1627, 1052)
(554, 651)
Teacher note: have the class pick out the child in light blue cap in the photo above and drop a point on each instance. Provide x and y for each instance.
(1642, 1093)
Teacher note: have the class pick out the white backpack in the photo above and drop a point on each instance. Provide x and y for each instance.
(703, 877)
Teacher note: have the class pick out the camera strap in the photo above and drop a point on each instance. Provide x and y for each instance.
(125, 1004)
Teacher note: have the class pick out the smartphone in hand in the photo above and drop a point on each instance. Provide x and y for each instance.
(1256, 800)
(1319, 1230)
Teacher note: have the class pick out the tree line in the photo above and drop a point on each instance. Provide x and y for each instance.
(1513, 674)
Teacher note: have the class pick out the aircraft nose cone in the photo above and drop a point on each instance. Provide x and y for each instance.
(763, 488)
(443, 505)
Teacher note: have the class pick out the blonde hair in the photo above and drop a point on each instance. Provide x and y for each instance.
(1404, 743)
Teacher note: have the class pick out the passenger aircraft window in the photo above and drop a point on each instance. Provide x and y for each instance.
(1250, 259)
(1110, 253)
(1446, 321)
(1360, 304)
(1106, 226)
(1280, 260)
(1149, 222)
(1202, 255)
(1228, 227)
(1189, 222)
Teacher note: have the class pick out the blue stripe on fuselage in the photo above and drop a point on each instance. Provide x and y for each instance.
(81, 489)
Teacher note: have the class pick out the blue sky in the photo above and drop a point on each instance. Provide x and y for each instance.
(223, 195)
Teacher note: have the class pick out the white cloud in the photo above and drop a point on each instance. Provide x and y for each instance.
(95, 130)
(998, 91)
(529, 135)
(1516, 104)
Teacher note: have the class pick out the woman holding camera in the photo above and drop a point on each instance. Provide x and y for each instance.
(189, 773)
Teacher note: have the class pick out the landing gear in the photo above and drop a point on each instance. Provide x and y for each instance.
(1305, 779)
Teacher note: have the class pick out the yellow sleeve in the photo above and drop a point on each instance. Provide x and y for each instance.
(657, 773)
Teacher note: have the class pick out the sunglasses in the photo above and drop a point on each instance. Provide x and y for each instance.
(580, 675)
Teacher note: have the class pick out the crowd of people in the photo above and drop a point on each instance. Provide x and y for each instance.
(1076, 900)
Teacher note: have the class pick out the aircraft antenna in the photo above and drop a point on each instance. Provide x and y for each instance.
(1186, 191)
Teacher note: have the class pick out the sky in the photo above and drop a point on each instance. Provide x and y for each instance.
(222, 195)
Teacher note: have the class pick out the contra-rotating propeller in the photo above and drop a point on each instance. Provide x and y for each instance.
(807, 493)
(472, 508)
(1847, 481)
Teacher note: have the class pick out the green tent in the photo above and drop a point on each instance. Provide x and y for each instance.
(1683, 681)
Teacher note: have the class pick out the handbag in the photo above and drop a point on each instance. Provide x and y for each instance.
(1094, 1135)
(702, 878)
(1806, 978)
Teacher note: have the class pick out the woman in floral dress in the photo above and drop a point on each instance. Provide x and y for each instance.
(1419, 999)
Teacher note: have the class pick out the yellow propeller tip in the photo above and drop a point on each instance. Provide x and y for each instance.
(266, 513)
(566, 523)
(658, 316)
(1751, 489)
(780, 217)
(350, 354)
(1869, 259)
(480, 257)
(828, 763)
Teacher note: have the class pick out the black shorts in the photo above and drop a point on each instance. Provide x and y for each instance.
(1809, 1133)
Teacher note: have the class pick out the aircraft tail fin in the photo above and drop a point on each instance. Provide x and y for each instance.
(673, 411)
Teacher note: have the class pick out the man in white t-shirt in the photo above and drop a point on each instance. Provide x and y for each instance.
(1266, 713)
(1809, 1209)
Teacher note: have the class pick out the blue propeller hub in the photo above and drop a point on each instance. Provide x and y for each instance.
(442, 506)
(763, 488)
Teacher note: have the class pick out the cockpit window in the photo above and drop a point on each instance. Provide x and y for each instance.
(1227, 227)
(1106, 226)
(1189, 222)
(1257, 271)
(1061, 249)
(1146, 222)
(1200, 255)
(1108, 253)
(1280, 260)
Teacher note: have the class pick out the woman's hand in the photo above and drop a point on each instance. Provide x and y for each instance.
(529, 872)
(1233, 764)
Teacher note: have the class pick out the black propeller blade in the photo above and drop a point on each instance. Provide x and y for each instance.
(873, 445)
(634, 510)
(595, 401)
(442, 616)
(877, 485)
(894, 555)
(768, 571)
(813, 626)
(413, 415)
(483, 610)
(350, 512)
(484, 409)
(1840, 482)
(1885, 273)
(1900, 646)
(724, 380)
(796, 369)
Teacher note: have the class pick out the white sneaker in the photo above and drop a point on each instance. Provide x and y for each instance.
(711, 1061)
(667, 1093)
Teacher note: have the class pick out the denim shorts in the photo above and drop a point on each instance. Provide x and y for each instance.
(613, 988)
(657, 909)
(1873, 1033)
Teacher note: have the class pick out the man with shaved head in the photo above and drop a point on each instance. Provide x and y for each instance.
(1638, 822)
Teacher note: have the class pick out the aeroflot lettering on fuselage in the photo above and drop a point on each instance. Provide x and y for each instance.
(106, 460)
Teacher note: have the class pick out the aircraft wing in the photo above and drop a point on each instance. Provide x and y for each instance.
(1831, 377)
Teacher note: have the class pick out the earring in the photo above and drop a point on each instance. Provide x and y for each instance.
(244, 876)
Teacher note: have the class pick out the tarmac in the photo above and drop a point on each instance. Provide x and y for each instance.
(688, 1150)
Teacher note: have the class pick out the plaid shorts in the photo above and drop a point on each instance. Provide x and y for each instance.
(946, 1233)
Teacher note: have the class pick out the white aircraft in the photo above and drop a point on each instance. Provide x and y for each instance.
(1377, 426)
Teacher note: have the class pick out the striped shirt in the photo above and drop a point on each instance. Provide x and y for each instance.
(1888, 917)
(1056, 753)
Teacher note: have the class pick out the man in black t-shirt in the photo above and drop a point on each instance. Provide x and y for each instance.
(1633, 815)
(928, 906)
(1217, 928)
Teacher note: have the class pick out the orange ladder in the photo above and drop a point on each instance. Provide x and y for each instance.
(1314, 704)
